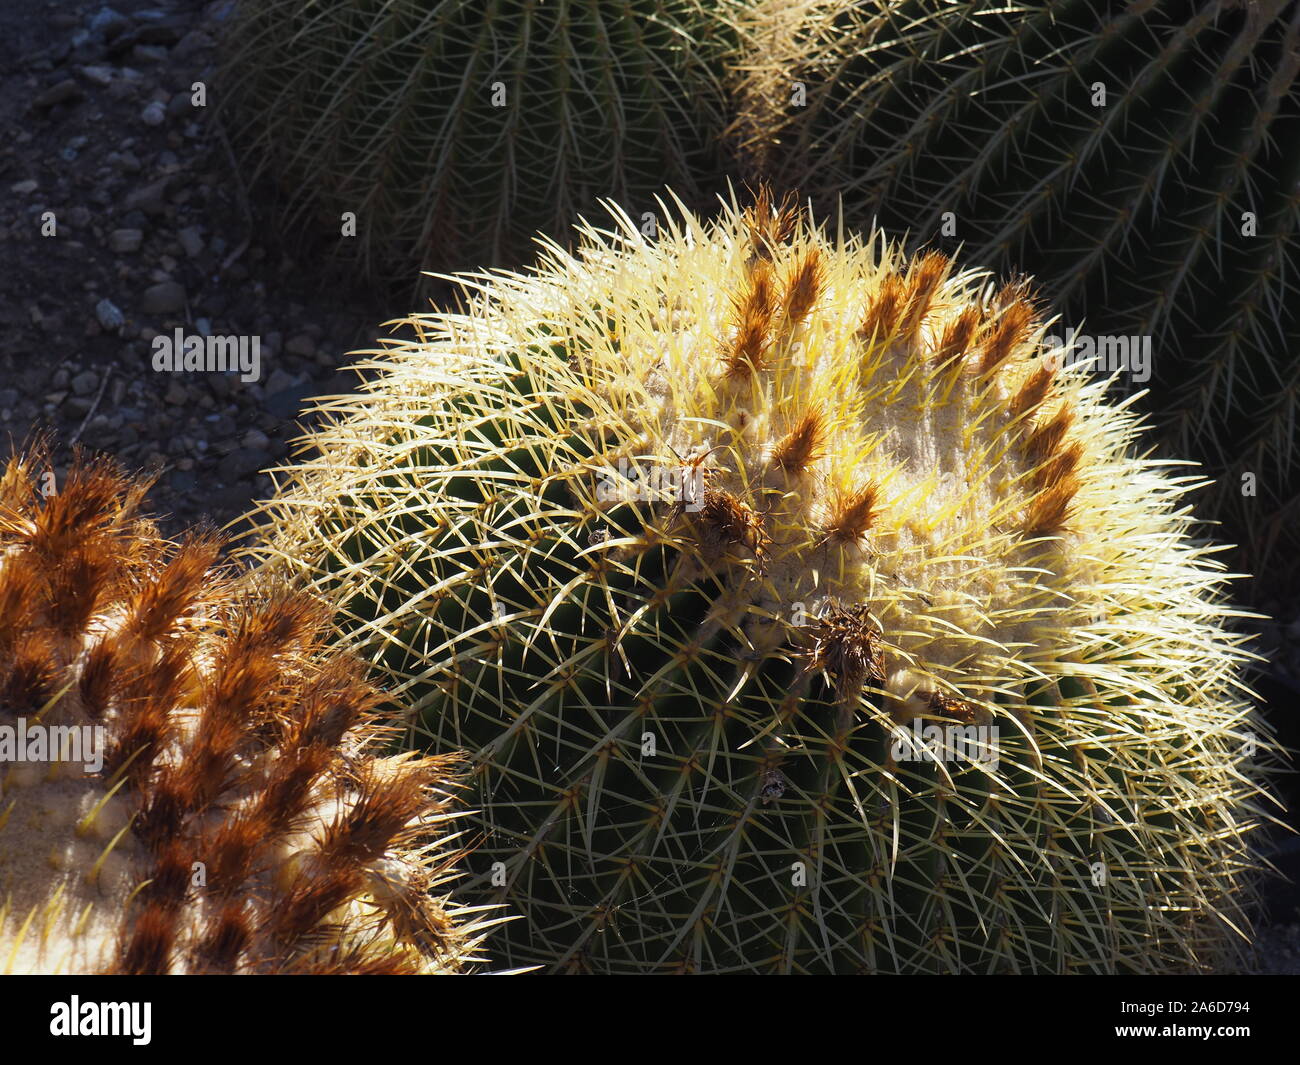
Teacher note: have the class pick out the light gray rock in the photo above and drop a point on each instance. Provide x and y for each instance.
(110, 318)
(279, 381)
(108, 24)
(148, 199)
(149, 53)
(85, 383)
(154, 114)
(191, 239)
(166, 297)
(97, 75)
(124, 241)
(255, 440)
(194, 41)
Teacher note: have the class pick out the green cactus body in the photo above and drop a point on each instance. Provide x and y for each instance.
(454, 130)
(686, 539)
(1142, 161)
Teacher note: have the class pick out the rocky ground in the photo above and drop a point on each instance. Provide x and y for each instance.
(124, 215)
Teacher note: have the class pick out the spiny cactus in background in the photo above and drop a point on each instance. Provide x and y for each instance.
(1140, 160)
(780, 46)
(686, 539)
(188, 776)
(454, 130)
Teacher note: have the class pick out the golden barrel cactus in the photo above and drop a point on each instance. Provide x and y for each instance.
(799, 614)
(189, 779)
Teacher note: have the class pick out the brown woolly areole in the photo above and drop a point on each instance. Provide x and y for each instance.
(243, 820)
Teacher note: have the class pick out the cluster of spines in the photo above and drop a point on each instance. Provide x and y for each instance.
(238, 740)
(978, 341)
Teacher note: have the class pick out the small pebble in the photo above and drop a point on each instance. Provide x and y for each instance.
(149, 53)
(154, 114)
(167, 297)
(64, 91)
(302, 344)
(108, 23)
(97, 75)
(125, 240)
(191, 240)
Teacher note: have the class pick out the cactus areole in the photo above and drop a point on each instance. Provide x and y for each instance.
(797, 612)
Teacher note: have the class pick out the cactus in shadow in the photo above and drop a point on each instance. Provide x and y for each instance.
(454, 130)
(798, 616)
(190, 780)
(1141, 161)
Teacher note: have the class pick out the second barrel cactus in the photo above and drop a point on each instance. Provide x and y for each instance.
(445, 134)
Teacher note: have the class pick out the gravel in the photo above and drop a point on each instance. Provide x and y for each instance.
(155, 233)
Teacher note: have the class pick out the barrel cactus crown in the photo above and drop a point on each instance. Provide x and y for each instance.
(798, 615)
(451, 131)
(189, 779)
(1142, 160)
